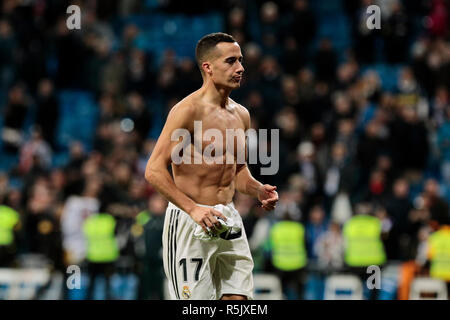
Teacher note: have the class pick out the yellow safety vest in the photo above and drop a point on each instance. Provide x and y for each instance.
(8, 219)
(364, 247)
(287, 241)
(137, 229)
(143, 217)
(101, 243)
(439, 252)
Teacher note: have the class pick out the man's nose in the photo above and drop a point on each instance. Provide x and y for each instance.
(241, 68)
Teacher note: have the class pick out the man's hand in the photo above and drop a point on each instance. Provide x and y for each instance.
(206, 218)
(268, 197)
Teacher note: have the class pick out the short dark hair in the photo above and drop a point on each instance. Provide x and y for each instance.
(209, 42)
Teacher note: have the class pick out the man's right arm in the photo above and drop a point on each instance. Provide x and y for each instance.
(156, 172)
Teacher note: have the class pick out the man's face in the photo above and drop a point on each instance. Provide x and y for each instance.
(226, 65)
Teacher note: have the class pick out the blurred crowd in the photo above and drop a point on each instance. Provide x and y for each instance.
(344, 139)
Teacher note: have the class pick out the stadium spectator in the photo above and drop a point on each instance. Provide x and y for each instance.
(329, 249)
(303, 24)
(47, 114)
(153, 274)
(438, 207)
(314, 229)
(288, 254)
(36, 152)
(9, 220)
(398, 206)
(101, 250)
(325, 61)
(363, 242)
(395, 31)
(438, 253)
(14, 118)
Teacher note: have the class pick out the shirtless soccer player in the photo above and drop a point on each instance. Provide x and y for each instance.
(198, 263)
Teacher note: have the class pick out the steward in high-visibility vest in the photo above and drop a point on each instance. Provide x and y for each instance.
(364, 247)
(137, 233)
(8, 219)
(137, 229)
(287, 242)
(101, 243)
(439, 253)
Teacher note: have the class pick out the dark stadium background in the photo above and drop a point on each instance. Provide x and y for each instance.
(364, 118)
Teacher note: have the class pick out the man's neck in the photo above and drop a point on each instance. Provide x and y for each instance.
(215, 94)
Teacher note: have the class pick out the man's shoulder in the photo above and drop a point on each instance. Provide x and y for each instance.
(241, 110)
(185, 106)
(238, 106)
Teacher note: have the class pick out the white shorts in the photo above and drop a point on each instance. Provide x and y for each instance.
(204, 269)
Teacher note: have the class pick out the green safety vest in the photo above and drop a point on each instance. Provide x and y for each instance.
(364, 247)
(143, 217)
(8, 219)
(287, 241)
(439, 243)
(137, 229)
(101, 243)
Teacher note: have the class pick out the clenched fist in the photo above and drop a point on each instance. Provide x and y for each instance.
(268, 197)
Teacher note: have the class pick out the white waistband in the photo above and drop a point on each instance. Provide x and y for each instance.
(230, 204)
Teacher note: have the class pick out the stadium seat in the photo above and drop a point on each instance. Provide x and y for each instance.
(388, 74)
(314, 287)
(267, 287)
(78, 110)
(326, 7)
(390, 275)
(343, 287)
(422, 286)
(55, 288)
(22, 284)
(33, 261)
(8, 161)
(160, 32)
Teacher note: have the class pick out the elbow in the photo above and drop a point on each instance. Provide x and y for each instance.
(150, 176)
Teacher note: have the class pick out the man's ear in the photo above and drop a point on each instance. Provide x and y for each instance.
(206, 66)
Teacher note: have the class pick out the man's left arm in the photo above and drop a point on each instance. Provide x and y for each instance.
(247, 184)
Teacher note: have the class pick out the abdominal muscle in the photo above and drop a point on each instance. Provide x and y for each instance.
(207, 184)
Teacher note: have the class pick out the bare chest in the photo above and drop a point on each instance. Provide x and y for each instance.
(219, 134)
